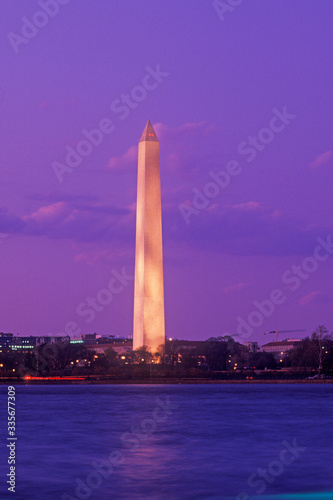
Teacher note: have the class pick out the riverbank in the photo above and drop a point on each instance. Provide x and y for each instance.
(172, 381)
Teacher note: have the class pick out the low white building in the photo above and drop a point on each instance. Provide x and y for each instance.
(281, 347)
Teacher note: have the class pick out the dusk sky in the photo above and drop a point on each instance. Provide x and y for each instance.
(243, 95)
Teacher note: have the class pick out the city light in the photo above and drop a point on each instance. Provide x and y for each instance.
(28, 377)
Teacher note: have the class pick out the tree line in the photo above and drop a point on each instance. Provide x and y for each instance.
(215, 355)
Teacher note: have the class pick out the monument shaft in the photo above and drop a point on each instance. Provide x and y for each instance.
(149, 329)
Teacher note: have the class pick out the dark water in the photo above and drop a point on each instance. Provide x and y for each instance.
(171, 442)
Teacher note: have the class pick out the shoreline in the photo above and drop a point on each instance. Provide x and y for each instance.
(183, 381)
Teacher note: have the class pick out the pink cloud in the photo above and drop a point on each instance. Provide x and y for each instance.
(321, 160)
(47, 212)
(184, 145)
(127, 159)
(91, 258)
(309, 297)
(189, 128)
(234, 288)
(250, 205)
(103, 256)
(85, 222)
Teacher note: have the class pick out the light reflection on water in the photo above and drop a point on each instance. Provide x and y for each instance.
(213, 438)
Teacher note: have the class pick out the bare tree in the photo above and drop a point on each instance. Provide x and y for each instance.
(143, 355)
(321, 340)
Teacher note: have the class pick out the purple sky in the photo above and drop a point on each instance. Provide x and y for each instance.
(224, 83)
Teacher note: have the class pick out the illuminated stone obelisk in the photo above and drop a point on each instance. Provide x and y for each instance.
(149, 329)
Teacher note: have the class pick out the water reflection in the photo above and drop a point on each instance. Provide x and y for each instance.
(205, 445)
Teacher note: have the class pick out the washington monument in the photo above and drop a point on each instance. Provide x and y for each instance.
(149, 329)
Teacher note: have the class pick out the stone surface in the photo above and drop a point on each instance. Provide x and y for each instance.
(148, 328)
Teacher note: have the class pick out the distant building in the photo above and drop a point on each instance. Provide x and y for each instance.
(51, 339)
(121, 346)
(100, 343)
(10, 343)
(90, 338)
(6, 340)
(187, 344)
(178, 348)
(280, 348)
(252, 346)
